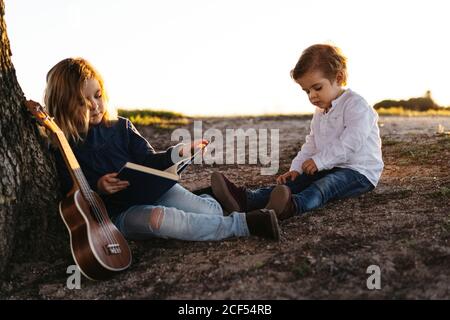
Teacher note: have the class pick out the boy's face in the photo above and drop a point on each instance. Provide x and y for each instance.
(93, 94)
(319, 89)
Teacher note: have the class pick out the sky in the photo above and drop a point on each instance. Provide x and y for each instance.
(227, 57)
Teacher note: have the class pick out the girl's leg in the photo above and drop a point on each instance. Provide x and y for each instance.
(182, 199)
(145, 222)
(338, 183)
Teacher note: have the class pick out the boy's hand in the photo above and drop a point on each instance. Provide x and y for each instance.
(309, 167)
(109, 184)
(292, 175)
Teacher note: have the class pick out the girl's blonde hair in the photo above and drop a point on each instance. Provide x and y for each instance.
(322, 57)
(64, 98)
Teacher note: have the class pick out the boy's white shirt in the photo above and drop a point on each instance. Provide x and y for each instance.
(347, 136)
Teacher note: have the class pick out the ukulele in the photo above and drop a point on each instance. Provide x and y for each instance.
(98, 247)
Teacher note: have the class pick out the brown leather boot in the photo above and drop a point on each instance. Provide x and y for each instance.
(281, 202)
(263, 223)
(231, 197)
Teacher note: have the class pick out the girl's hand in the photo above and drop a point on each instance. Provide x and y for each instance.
(309, 167)
(194, 145)
(292, 175)
(201, 144)
(109, 184)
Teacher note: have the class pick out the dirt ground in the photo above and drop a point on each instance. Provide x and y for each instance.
(403, 226)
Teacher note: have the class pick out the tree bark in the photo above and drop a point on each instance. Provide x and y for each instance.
(30, 226)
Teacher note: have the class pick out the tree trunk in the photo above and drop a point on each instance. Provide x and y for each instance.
(30, 226)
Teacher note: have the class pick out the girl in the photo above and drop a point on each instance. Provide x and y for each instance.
(341, 156)
(75, 96)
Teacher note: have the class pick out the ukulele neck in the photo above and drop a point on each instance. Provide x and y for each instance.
(73, 166)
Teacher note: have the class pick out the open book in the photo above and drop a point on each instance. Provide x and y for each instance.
(148, 184)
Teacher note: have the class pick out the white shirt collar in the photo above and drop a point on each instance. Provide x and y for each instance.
(337, 101)
(340, 98)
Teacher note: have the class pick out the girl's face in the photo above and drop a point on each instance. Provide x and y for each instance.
(319, 89)
(93, 95)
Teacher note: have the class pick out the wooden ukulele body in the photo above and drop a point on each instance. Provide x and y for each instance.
(98, 247)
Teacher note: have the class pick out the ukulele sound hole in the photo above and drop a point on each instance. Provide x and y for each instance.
(113, 248)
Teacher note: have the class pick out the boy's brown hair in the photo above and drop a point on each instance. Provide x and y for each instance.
(322, 57)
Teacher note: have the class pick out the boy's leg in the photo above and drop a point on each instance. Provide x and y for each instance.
(258, 198)
(304, 180)
(338, 183)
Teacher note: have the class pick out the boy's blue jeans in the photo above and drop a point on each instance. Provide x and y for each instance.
(185, 216)
(313, 191)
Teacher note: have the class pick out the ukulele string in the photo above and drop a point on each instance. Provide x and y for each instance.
(108, 226)
(89, 199)
(97, 211)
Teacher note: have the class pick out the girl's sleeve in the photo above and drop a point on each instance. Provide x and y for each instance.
(307, 151)
(359, 120)
(143, 153)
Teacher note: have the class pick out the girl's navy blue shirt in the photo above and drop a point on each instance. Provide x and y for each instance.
(105, 150)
